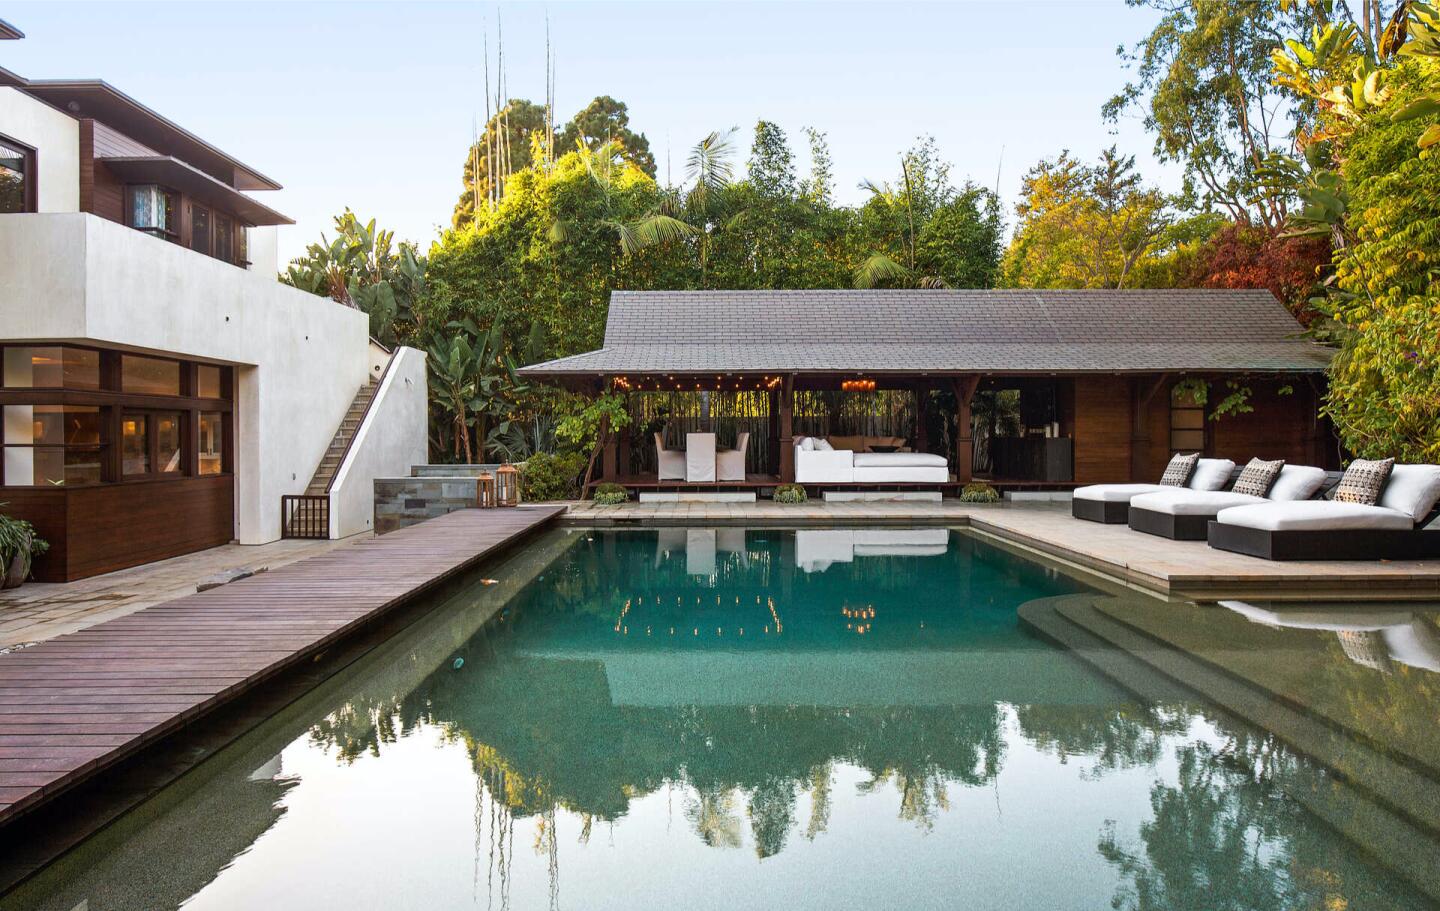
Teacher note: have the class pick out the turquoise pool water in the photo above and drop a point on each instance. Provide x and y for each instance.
(733, 718)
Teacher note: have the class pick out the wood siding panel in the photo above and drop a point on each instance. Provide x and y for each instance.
(108, 199)
(1280, 427)
(110, 143)
(100, 529)
(1102, 429)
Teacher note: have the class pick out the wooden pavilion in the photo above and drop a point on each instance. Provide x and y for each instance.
(1023, 388)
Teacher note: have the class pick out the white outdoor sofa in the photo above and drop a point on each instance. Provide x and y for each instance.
(1110, 503)
(816, 462)
(1183, 514)
(1395, 528)
(816, 549)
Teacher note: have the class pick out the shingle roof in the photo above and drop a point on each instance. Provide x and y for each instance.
(1012, 331)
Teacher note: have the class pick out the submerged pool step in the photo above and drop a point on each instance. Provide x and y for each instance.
(1387, 808)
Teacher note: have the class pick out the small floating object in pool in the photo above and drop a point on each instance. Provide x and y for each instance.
(457, 664)
(489, 581)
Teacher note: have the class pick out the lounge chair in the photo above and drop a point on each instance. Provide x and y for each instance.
(670, 461)
(1395, 528)
(1110, 503)
(1183, 514)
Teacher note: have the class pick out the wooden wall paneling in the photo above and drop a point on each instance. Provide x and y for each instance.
(1279, 427)
(1102, 429)
(114, 526)
(45, 509)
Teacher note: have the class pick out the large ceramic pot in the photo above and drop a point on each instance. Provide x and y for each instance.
(18, 570)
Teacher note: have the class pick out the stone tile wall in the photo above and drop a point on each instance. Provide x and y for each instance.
(407, 501)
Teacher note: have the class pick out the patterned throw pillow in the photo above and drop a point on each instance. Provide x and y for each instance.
(1178, 472)
(1363, 481)
(1258, 477)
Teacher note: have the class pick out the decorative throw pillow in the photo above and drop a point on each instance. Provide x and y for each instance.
(1363, 481)
(1177, 473)
(807, 444)
(823, 446)
(1257, 477)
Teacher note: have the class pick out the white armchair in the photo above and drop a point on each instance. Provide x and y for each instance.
(730, 463)
(670, 461)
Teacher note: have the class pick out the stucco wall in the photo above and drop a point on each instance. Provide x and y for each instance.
(391, 439)
(299, 358)
(55, 137)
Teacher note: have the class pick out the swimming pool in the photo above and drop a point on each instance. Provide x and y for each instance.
(816, 718)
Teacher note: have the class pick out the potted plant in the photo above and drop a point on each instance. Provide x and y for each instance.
(19, 545)
(789, 493)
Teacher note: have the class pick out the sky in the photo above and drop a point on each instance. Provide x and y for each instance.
(370, 105)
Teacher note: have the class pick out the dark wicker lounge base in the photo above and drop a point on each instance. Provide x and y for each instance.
(1338, 544)
(1110, 513)
(1176, 528)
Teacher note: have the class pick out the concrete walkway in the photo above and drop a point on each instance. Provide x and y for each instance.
(37, 611)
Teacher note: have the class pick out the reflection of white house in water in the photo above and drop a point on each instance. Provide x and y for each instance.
(1370, 636)
(817, 549)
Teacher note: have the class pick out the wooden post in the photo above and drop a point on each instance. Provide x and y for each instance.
(920, 441)
(622, 453)
(772, 461)
(787, 448)
(1315, 443)
(1144, 390)
(964, 433)
(606, 441)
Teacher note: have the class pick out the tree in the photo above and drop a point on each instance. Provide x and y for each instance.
(471, 381)
(1085, 227)
(607, 120)
(507, 137)
(1203, 81)
(363, 268)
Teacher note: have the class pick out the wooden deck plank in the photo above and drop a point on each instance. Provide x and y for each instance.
(73, 706)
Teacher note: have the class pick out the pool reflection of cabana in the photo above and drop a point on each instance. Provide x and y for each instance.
(928, 389)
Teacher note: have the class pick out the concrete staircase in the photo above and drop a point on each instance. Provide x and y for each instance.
(349, 426)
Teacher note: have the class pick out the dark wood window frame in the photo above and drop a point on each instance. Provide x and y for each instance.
(31, 200)
(1203, 429)
(172, 232)
(115, 404)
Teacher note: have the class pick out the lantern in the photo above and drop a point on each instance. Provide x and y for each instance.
(507, 485)
(485, 490)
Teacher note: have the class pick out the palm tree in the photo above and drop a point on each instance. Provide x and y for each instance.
(473, 379)
(880, 268)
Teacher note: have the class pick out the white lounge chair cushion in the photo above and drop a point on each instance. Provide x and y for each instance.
(1211, 474)
(823, 446)
(1116, 493)
(1182, 502)
(1297, 482)
(899, 460)
(1412, 489)
(1315, 515)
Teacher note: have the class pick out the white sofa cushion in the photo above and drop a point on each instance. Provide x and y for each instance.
(806, 443)
(823, 446)
(1211, 474)
(1412, 489)
(1183, 502)
(1315, 515)
(832, 467)
(1297, 482)
(898, 459)
(913, 474)
(1115, 493)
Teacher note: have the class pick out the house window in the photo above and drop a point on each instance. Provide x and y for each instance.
(17, 177)
(200, 230)
(152, 210)
(135, 444)
(52, 445)
(149, 375)
(1187, 421)
(51, 367)
(212, 442)
(224, 239)
(207, 382)
(152, 443)
(242, 245)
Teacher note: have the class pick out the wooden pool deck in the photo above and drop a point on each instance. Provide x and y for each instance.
(77, 704)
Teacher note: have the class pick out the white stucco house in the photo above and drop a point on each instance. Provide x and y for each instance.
(162, 391)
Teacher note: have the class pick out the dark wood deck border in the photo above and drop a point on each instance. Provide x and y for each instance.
(78, 704)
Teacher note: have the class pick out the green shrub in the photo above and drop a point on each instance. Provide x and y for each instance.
(547, 476)
(979, 492)
(789, 493)
(608, 494)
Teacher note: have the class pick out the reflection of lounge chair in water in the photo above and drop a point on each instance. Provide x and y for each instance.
(700, 546)
(1403, 637)
(816, 549)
